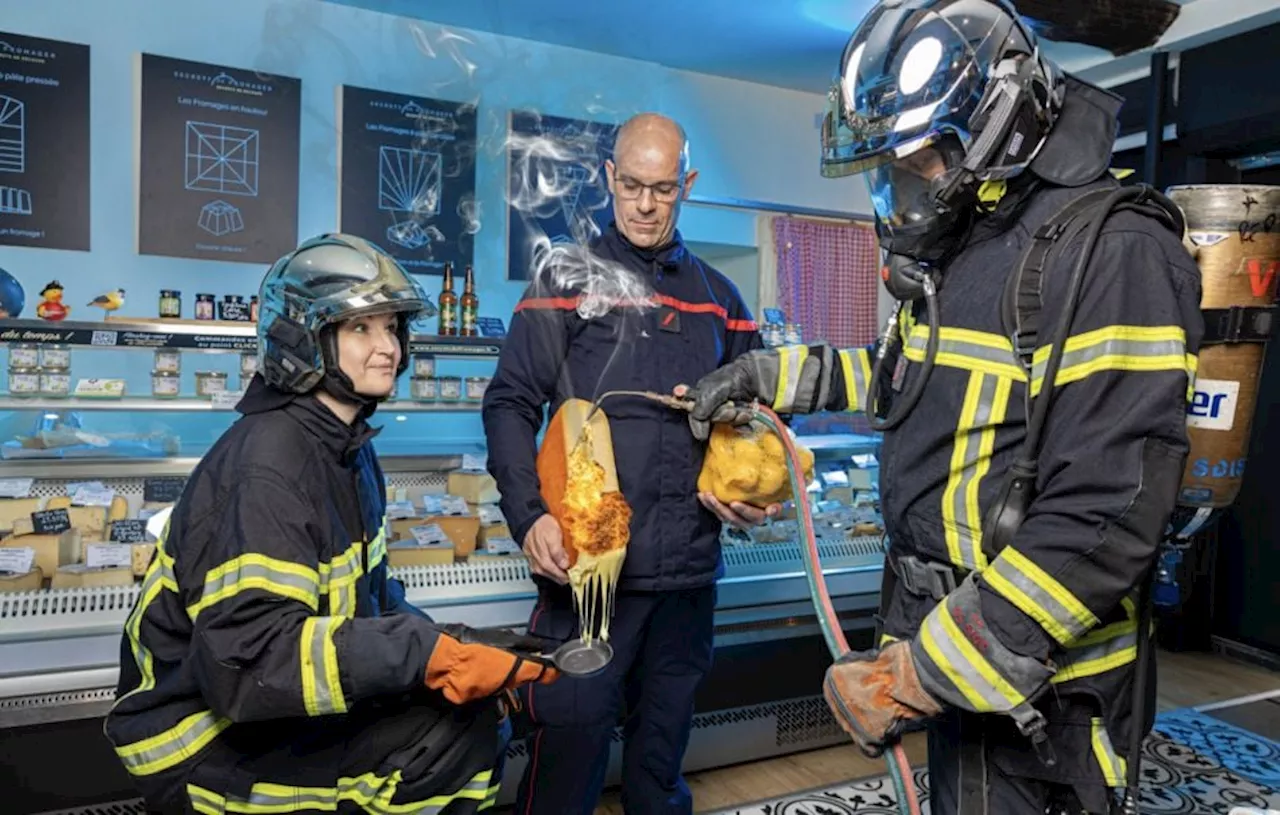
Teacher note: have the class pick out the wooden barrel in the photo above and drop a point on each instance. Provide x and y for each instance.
(1233, 231)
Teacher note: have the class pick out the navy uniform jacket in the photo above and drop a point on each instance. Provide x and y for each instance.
(553, 354)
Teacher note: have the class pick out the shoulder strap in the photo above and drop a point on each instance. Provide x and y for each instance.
(1022, 305)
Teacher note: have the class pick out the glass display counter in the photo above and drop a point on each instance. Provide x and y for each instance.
(110, 443)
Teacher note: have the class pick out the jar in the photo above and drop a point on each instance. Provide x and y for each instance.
(423, 388)
(771, 335)
(169, 360)
(210, 382)
(475, 387)
(24, 381)
(170, 304)
(450, 388)
(55, 382)
(792, 335)
(165, 384)
(204, 306)
(424, 365)
(248, 364)
(253, 309)
(24, 355)
(55, 356)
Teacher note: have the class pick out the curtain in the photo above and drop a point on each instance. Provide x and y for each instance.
(827, 279)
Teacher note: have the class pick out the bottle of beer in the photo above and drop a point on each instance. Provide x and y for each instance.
(470, 306)
(448, 305)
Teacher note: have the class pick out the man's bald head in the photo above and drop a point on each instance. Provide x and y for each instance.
(648, 176)
(653, 131)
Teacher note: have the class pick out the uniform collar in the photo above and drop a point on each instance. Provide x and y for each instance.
(669, 256)
(337, 437)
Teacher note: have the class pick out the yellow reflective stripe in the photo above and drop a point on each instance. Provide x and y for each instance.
(1113, 766)
(257, 571)
(1020, 581)
(963, 666)
(968, 350)
(378, 547)
(338, 580)
(321, 682)
(985, 402)
(370, 791)
(856, 364)
(1116, 348)
(790, 364)
(1098, 652)
(885, 639)
(175, 745)
(158, 578)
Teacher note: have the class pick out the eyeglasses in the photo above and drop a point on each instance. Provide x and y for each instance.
(630, 189)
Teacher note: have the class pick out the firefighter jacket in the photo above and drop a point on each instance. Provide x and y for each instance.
(697, 323)
(1052, 616)
(267, 599)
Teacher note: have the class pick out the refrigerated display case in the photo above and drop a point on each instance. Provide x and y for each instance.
(117, 453)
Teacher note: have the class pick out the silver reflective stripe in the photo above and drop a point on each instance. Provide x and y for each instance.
(791, 364)
(1095, 658)
(378, 547)
(856, 364)
(957, 669)
(337, 579)
(954, 343)
(963, 529)
(1059, 619)
(254, 571)
(321, 682)
(1110, 347)
(173, 746)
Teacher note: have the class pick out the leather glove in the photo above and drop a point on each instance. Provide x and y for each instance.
(756, 376)
(468, 664)
(875, 695)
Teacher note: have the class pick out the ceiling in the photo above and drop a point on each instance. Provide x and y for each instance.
(788, 43)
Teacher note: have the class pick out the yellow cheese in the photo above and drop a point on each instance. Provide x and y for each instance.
(12, 583)
(119, 509)
(59, 502)
(141, 555)
(91, 521)
(45, 546)
(12, 509)
(475, 488)
(406, 553)
(460, 529)
(23, 526)
(488, 533)
(80, 576)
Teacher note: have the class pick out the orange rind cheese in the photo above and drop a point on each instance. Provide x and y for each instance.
(748, 464)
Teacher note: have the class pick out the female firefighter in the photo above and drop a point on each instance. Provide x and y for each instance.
(270, 664)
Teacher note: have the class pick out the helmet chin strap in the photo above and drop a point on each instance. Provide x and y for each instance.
(337, 384)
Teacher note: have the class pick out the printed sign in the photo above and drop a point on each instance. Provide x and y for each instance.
(1213, 407)
(218, 175)
(408, 167)
(16, 559)
(108, 556)
(44, 143)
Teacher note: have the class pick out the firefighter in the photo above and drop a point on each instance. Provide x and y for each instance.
(663, 622)
(270, 664)
(1013, 644)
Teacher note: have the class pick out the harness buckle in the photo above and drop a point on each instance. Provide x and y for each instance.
(924, 578)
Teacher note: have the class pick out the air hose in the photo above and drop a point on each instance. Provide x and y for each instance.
(832, 632)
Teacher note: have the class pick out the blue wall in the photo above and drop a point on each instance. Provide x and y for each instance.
(750, 142)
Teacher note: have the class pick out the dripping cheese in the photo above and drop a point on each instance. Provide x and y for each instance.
(580, 487)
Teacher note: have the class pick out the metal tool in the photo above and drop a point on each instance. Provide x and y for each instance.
(728, 413)
(576, 658)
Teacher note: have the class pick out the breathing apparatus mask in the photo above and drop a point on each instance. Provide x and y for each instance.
(934, 98)
(304, 297)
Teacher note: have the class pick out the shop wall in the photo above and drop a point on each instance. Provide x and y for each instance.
(750, 141)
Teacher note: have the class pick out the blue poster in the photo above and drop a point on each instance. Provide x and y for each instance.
(556, 185)
(408, 177)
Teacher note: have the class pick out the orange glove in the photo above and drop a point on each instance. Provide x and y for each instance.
(874, 695)
(467, 672)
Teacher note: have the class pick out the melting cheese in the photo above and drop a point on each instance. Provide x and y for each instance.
(597, 528)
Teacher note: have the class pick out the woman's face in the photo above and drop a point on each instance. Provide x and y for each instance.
(369, 353)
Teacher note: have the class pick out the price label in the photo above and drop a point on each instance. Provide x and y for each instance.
(429, 535)
(226, 400)
(490, 515)
(502, 546)
(165, 490)
(133, 530)
(15, 487)
(51, 521)
(17, 559)
(108, 556)
(474, 463)
(454, 505)
(400, 509)
(92, 495)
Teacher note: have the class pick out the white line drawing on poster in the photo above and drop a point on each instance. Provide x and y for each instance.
(219, 218)
(13, 135)
(222, 159)
(14, 201)
(409, 182)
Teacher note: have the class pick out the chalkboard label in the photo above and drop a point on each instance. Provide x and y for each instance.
(165, 490)
(51, 521)
(491, 327)
(133, 530)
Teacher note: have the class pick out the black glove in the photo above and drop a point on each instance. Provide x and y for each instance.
(755, 376)
(520, 644)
